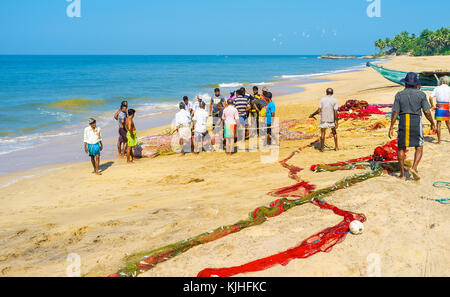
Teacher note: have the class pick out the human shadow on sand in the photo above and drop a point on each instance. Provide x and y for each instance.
(105, 166)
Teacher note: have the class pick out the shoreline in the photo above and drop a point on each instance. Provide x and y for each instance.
(283, 86)
(153, 203)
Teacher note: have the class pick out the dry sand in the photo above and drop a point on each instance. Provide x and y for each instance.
(48, 213)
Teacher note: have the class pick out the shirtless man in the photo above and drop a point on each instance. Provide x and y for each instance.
(131, 135)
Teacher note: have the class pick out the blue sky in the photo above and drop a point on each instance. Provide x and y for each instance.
(210, 26)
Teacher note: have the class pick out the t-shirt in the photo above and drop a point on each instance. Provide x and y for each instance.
(230, 115)
(260, 103)
(200, 118)
(188, 106)
(182, 119)
(269, 110)
(441, 93)
(217, 102)
(411, 101)
(252, 100)
(241, 104)
(328, 105)
(122, 116)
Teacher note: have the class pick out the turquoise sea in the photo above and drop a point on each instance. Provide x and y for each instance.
(45, 97)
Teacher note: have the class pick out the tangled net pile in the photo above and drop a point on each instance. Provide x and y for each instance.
(298, 129)
(153, 146)
(384, 158)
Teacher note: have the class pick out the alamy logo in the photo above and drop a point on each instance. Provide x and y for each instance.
(374, 9)
(74, 9)
(74, 267)
(374, 267)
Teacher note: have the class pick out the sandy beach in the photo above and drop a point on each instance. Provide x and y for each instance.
(48, 213)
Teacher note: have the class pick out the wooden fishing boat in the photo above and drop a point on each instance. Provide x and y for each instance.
(428, 79)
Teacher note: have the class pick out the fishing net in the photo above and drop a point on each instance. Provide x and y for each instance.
(386, 153)
(298, 190)
(381, 160)
(153, 146)
(360, 110)
(144, 261)
(358, 127)
(353, 105)
(320, 242)
(298, 129)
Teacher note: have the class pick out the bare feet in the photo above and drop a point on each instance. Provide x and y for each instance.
(414, 173)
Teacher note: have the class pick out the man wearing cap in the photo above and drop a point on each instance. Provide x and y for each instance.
(197, 104)
(183, 125)
(93, 144)
(409, 105)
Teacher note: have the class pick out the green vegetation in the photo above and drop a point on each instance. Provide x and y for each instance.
(428, 43)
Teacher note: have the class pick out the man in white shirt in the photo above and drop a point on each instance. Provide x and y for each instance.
(328, 110)
(93, 144)
(200, 131)
(183, 125)
(442, 108)
(188, 105)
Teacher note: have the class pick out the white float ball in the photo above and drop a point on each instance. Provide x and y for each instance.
(356, 227)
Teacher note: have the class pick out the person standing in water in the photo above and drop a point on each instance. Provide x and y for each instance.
(93, 144)
(131, 135)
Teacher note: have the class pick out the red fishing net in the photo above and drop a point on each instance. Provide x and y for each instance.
(296, 191)
(385, 153)
(320, 242)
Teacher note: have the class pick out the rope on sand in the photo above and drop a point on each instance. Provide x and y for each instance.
(440, 185)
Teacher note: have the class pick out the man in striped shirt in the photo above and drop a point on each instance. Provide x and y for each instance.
(242, 104)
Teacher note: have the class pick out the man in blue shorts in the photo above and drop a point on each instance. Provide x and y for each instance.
(93, 144)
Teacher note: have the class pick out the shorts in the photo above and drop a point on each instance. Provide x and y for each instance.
(200, 136)
(94, 149)
(328, 125)
(132, 142)
(230, 130)
(122, 135)
(243, 120)
(185, 133)
(269, 129)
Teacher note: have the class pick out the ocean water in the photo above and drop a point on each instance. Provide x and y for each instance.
(45, 97)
